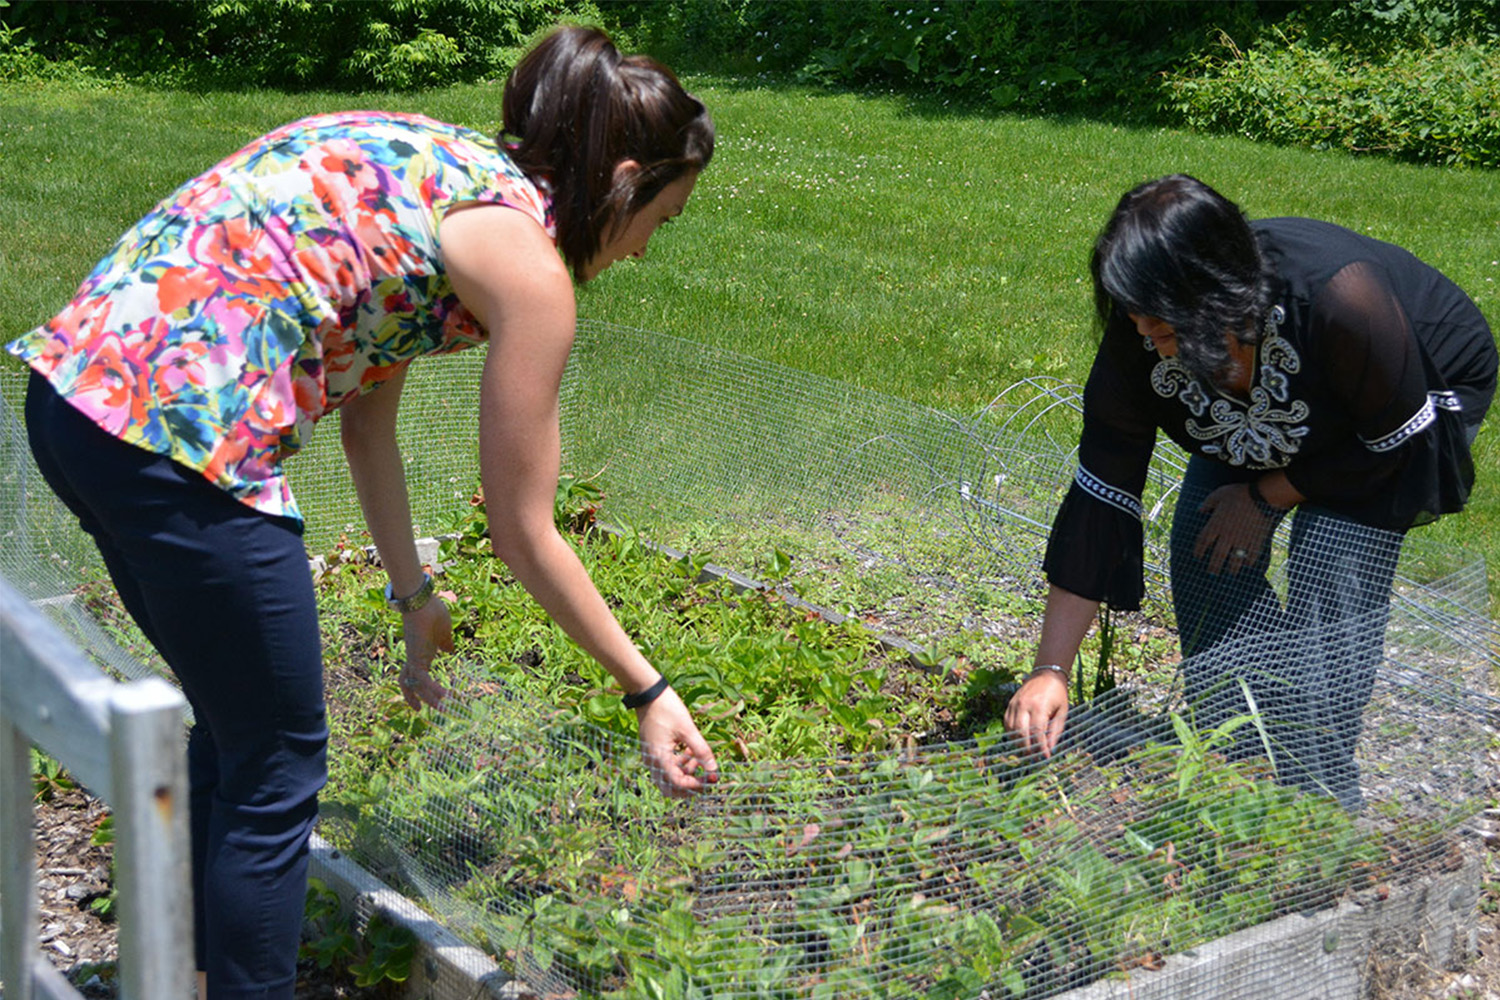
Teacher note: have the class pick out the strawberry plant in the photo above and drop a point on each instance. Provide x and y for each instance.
(844, 853)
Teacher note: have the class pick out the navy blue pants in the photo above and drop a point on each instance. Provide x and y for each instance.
(1309, 662)
(224, 593)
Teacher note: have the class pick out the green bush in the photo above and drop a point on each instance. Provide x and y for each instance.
(1413, 79)
(1381, 26)
(1060, 56)
(397, 44)
(688, 34)
(1433, 105)
(19, 59)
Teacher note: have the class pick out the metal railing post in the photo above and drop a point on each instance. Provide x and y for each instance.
(152, 853)
(125, 743)
(18, 910)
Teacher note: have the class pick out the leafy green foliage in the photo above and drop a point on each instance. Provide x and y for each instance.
(967, 867)
(388, 951)
(1382, 26)
(48, 776)
(752, 665)
(399, 45)
(1424, 104)
(19, 58)
(1059, 56)
(380, 955)
(328, 933)
(1106, 666)
(987, 874)
(104, 835)
(1415, 79)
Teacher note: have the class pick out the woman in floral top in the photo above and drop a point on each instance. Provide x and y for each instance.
(304, 274)
(1302, 366)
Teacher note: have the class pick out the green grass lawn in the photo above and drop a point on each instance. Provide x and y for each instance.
(932, 254)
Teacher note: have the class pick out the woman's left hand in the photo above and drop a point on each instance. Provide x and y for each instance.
(426, 630)
(1236, 532)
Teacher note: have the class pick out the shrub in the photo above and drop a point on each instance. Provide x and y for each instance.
(688, 34)
(1381, 26)
(399, 44)
(19, 59)
(1057, 56)
(1430, 104)
(287, 43)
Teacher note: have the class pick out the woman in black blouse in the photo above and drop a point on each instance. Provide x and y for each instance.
(1303, 366)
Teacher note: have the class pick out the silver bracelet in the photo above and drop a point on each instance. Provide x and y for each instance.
(1049, 667)
(412, 602)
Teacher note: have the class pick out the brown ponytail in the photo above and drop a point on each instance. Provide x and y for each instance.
(574, 108)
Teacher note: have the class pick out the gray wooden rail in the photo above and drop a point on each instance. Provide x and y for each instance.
(125, 743)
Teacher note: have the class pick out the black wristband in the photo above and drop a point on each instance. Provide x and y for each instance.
(646, 697)
(1261, 503)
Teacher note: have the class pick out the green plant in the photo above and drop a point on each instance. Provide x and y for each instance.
(104, 835)
(888, 860)
(1104, 672)
(328, 936)
(577, 503)
(387, 954)
(107, 973)
(48, 777)
(378, 956)
(19, 59)
(292, 43)
(1489, 901)
(1424, 104)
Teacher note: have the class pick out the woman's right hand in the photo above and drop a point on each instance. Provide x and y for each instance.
(1236, 533)
(425, 632)
(1038, 711)
(681, 762)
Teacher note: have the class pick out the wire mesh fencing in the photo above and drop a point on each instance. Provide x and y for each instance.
(1286, 804)
(952, 870)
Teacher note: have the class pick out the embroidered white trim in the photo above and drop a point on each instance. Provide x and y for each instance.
(1446, 400)
(1100, 490)
(1421, 420)
(1260, 435)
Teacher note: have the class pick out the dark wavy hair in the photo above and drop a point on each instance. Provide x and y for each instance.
(574, 108)
(1177, 250)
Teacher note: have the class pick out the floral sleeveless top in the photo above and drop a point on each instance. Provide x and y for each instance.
(298, 273)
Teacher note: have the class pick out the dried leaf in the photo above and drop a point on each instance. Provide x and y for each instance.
(809, 833)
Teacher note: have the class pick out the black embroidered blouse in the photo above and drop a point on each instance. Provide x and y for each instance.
(1372, 371)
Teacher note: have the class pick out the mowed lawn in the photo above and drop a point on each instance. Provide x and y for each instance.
(927, 252)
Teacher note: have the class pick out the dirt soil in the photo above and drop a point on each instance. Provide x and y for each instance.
(72, 874)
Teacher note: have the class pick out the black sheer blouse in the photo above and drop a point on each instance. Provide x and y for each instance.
(1373, 372)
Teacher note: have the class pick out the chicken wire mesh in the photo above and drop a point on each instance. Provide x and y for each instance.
(1289, 807)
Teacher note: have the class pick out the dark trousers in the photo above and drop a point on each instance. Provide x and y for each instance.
(1307, 665)
(224, 593)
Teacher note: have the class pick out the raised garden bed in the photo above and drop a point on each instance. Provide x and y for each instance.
(853, 847)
